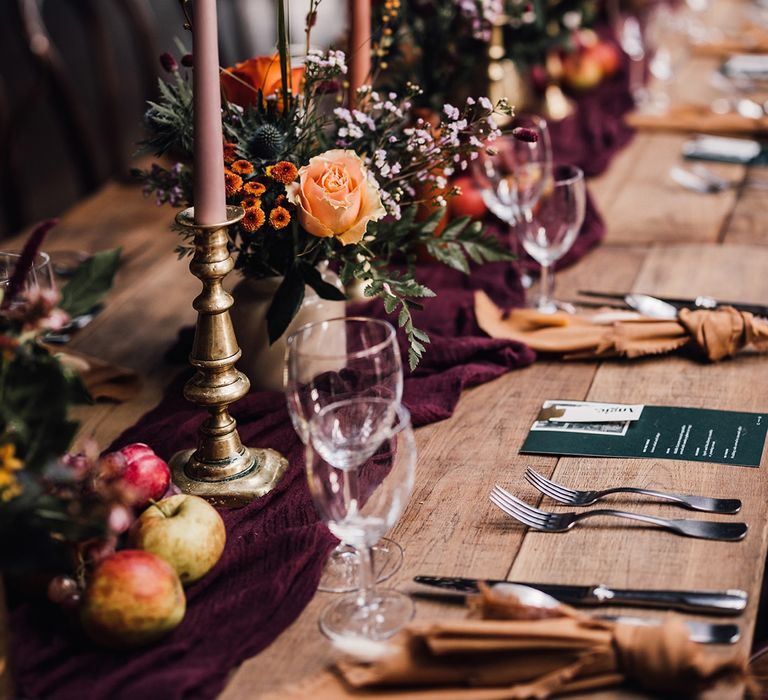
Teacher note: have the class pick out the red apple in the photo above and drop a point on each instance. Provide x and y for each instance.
(132, 598)
(145, 474)
(607, 55)
(136, 450)
(582, 71)
(184, 530)
(470, 201)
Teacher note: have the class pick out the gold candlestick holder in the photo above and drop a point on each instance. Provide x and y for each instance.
(220, 469)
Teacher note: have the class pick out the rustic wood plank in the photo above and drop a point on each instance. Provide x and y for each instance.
(639, 201)
(748, 223)
(645, 206)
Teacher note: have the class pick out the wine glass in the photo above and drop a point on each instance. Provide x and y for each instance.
(360, 470)
(512, 175)
(669, 49)
(338, 359)
(39, 277)
(550, 229)
(628, 22)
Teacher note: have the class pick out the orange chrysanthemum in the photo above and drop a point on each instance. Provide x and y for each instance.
(242, 167)
(255, 188)
(253, 219)
(230, 152)
(280, 199)
(250, 202)
(279, 218)
(283, 172)
(232, 183)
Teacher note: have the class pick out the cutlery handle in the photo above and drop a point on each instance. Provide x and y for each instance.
(642, 517)
(710, 505)
(731, 602)
(700, 529)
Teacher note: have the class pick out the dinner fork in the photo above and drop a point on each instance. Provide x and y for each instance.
(560, 522)
(563, 494)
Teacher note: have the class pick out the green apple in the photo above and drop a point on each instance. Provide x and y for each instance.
(132, 598)
(184, 530)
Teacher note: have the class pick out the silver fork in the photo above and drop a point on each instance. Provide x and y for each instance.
(560, 522)
(563, 494)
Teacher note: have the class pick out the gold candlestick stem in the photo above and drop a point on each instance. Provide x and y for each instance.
(221, 469)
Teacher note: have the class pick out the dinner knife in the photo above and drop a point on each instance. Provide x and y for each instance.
(730, 602)
(700, 632)
(700, 302)
(652, 306)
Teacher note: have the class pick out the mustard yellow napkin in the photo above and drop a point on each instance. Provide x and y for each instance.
(699, 118)
(716, 334)
(102, 380)
(509, 658)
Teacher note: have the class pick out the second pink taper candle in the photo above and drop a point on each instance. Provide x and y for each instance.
(209, 192)
(359, 46)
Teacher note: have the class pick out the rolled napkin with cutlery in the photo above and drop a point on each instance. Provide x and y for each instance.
(716, 333)
(509, 650)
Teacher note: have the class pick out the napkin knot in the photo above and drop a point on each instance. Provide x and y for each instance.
(723, 332)
(663, 658)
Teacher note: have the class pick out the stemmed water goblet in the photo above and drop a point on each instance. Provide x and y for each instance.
(361, 461)
(335, 360)
(551, 229)
(39, 277)
(513, 172)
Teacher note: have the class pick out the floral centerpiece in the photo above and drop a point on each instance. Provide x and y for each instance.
(321, 183)
(535, 28)
(441, 45)
(51, 501)
(456, 47)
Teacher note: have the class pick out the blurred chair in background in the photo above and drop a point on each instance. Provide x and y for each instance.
(75, 76)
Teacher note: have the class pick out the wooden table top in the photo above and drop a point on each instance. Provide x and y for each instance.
(661, 239)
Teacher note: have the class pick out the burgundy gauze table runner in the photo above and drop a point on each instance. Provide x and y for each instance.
(276, 546)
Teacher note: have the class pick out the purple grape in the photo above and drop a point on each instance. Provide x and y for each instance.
(61, 588)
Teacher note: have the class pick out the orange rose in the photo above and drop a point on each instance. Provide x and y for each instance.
(242, 82)
(335, 198)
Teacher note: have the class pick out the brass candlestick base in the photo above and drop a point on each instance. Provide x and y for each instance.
(220, 469)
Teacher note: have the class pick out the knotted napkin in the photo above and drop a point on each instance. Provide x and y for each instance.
(516, 652)
(715, 333)
(101, 379)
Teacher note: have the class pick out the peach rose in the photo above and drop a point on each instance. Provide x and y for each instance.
(335, 197)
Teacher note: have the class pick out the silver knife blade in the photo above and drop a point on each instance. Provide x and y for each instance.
(651, 306)
(700, 632)
(730, 602)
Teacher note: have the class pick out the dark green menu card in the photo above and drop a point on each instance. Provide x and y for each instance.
(661, 432)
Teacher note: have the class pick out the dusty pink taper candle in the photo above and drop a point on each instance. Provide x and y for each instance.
(209, 193)
(359, 46)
